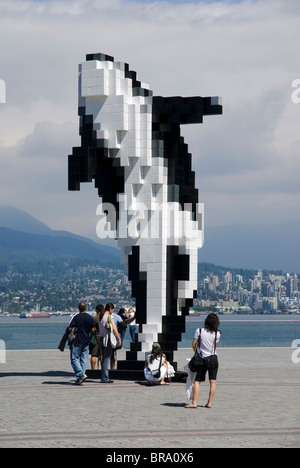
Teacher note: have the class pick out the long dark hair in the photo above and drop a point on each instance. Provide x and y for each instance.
(212, 323)
(100, 311)
(155, 353)
(107, 308)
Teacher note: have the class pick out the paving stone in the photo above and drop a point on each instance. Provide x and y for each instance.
(256, 405)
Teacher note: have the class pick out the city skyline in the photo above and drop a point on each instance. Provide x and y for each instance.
(261, 293)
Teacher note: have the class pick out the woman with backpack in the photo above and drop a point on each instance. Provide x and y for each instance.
(208, 338)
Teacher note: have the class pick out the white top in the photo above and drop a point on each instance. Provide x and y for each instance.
(155, 364)
(133, 323)
(207, 347)
(102, 323)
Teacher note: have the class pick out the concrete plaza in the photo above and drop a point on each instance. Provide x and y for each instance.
(256, 405)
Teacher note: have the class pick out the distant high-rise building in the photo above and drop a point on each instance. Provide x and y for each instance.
(291, 285)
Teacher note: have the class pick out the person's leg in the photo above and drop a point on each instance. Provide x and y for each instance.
(163, 371)
(212, 391)
(105, 367)
(122, 334)
(93, 362)
(113, 359)
(212, 373)
(196, 391)
(106, 353)
(84, 356)
(75, 362)
(102, 350)
(132, 329)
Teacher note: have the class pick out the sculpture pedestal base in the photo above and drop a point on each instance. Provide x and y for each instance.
(122, 374)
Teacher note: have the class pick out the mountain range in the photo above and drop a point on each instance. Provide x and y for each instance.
(254, 247)
(23, 237)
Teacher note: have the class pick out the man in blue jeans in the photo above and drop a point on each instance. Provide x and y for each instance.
(84, 324)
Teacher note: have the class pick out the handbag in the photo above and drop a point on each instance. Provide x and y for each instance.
(109, 338)
(93, 339)
(108, 324)
(196, 362)
(157, 373)
(113, 340)
(109, 335)
(170, 371)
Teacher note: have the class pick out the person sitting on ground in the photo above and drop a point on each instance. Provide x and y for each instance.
(156, 366)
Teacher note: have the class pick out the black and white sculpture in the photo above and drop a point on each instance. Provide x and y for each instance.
(131, 147)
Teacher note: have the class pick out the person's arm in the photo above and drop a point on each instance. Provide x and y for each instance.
(165, 362)
(115, 330)
(97, 325)
(194, 345)
(126, 322)
(72, 324)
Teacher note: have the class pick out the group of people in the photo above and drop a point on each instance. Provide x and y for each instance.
(119, 322)
(91, 335)
(89, 338)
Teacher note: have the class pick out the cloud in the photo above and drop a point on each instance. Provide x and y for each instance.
(246, 161)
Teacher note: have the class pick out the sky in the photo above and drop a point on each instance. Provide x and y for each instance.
(247, 162)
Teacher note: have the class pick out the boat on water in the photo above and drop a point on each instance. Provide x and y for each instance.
(34, 315)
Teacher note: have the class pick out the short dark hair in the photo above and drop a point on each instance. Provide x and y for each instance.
(99, 308)
(82, 307)
(109, 306)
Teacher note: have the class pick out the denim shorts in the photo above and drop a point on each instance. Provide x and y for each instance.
(211, 365)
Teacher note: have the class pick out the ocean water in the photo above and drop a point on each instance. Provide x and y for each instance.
(237, 331)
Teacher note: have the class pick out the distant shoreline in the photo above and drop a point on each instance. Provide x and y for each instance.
(232, 318)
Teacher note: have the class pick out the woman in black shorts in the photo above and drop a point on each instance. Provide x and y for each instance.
(209, 336)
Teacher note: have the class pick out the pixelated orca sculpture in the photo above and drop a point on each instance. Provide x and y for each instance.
(132, 148)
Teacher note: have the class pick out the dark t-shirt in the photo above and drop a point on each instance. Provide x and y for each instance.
(84, 322)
